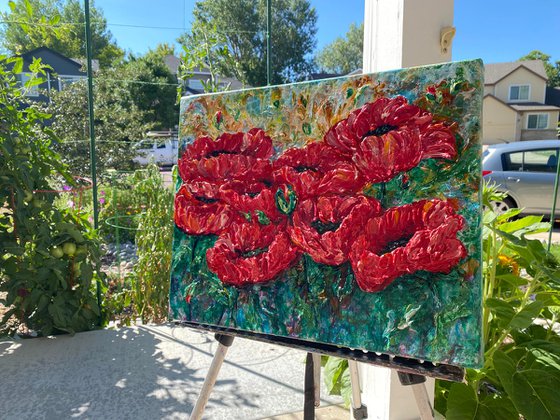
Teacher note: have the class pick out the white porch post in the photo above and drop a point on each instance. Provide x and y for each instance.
(397, 34)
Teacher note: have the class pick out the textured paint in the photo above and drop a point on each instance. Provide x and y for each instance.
(343, 211)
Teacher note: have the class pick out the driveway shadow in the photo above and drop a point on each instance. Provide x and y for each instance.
(144, 372)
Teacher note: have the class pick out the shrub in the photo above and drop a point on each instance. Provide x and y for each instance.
(49, 256)
(521, 373)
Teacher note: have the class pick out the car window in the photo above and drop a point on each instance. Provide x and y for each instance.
(161, 144)
(543, 160)
(145, 144)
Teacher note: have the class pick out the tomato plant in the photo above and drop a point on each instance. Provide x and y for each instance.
(49, 256)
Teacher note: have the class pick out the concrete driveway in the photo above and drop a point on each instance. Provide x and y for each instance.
(146, 372)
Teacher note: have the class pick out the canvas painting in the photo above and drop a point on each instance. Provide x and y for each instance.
(342, 211)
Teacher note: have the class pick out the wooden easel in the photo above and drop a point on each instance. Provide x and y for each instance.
(312, 385)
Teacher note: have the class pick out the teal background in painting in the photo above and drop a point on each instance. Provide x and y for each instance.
(428, 316)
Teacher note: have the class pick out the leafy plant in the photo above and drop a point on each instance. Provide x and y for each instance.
(205, 48)
(49, 256)
(521, 373)
(121, 206)
(144, 292)
(337, 377)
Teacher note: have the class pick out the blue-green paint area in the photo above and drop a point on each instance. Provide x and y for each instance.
(429, 316)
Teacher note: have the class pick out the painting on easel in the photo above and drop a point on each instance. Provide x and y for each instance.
(344, 211)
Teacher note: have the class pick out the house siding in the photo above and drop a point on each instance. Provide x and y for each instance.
(545, 134)
(538, 134)
(521, 76)
(499, 122)
(60, 66)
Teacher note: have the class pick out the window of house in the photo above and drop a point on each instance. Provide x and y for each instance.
(31, 91)
(519, 93)
(65, 80)
(196, 84)
(537, 121)
(543, 160)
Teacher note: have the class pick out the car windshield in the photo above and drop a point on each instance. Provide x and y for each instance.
(145, 144)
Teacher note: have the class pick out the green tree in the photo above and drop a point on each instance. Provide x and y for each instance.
(59, 25)
(344, 54)
(152, 87)
(206, 48)
(119, 123)
(552, 69)
(243, 23)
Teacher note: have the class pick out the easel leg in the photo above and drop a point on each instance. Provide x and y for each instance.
(225, 342)
(309, 389)
(317, 378)
(359, 410)
(420, 393)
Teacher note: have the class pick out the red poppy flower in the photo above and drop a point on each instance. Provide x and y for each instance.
(227, 156)
(198, 212)
(317, 169)
(251, 253)
(326, 227)
(438, 142)
(390, 136)
(417, 236)
(256, 198)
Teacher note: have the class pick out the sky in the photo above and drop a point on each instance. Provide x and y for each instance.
(494, 30)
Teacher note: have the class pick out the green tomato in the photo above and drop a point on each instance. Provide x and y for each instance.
(27, 196)
(82, 249)
(69, 248)
(57, 252)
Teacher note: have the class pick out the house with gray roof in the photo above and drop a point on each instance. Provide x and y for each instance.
(63, 71)
(515, 105)
(194, 84)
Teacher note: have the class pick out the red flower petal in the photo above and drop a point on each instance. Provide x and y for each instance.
(326, 227)
(317, 169)
(417, 236)
(207, 157)
(438, 142)
(250, 253)
(251, 197)
(390, 136)
(198, 214)
(381, 158)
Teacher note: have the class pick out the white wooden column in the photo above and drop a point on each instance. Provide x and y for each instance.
(405, 33)
(397, 34)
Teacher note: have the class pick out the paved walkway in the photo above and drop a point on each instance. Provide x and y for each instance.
(147, 372)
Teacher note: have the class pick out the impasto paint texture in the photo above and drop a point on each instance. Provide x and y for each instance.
(343, 211)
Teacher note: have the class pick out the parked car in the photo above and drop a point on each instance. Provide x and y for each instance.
(161, 150)
(525, 171)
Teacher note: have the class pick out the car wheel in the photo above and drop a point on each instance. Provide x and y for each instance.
(500, 207)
